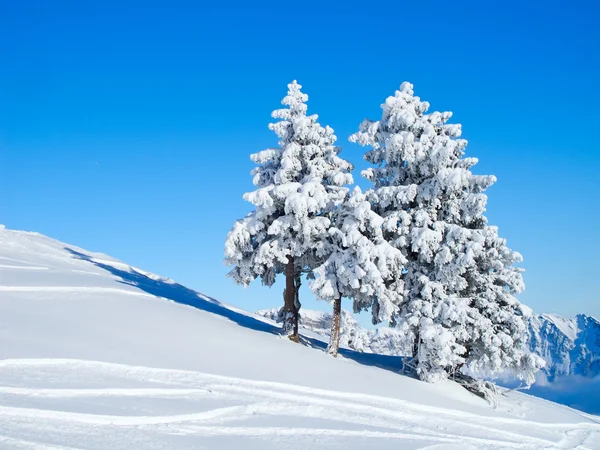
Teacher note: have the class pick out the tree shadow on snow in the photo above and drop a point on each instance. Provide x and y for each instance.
(180, 294)
(387, 362)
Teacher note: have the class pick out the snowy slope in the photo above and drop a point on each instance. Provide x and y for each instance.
(569, 346)
(96, 354)
(383, 341)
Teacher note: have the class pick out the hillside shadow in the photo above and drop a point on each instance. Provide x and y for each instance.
(180, 294)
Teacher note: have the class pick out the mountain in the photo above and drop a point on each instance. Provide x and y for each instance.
(569, 346)
(97, 354)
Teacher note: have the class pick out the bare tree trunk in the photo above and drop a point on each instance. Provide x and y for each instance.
(289, 313)
(334, 339)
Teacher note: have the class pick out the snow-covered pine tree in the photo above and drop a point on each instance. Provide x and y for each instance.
(361, 265)
(298, 185)
(499, 343)
(459, 279)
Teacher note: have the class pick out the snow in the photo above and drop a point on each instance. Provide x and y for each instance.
(382, 340)
(569, 346)
(567, 326)
(571, 375)
(360, 264)
(96, 354)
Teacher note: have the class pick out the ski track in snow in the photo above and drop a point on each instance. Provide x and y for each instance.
(67, 404)
(362, 415)
(73, 289)
(11, 266)
(25, 443)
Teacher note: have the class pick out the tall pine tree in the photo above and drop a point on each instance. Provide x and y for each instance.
(459, 280)
(298, 186)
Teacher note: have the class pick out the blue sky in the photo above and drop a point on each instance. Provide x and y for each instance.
(125, 127)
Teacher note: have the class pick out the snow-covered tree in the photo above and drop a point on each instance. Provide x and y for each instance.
(361, 265)
(459, 279)
(501, 344)
(298, 186)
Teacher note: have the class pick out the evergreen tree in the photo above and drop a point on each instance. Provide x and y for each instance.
(501, 341)
(359, 263)
(298, 185)
(459, 279)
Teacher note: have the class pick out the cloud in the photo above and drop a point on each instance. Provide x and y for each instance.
(576, 391)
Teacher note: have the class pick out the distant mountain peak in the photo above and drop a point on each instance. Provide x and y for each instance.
(569, 346)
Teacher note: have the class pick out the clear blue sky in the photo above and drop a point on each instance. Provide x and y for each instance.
(125, 127)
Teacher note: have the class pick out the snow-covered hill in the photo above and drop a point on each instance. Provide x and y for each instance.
(96, 354)
(570, 347)
(383, 341)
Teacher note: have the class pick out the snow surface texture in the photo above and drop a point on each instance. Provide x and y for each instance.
(570, 347)
(96, 354)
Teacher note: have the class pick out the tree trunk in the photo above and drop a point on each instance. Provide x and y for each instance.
(465, 355)
(334, 339)
(289, 313)
(413, 363)
(297, 304)
(415, 352)
(415, 349)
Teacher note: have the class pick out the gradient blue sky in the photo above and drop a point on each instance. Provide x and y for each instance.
(125, 127)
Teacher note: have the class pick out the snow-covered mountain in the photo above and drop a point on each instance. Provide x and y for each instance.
(97, 354)
(569, 346)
